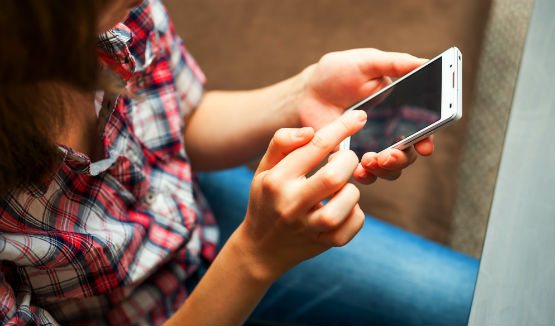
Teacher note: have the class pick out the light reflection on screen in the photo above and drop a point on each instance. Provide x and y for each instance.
(409, 106)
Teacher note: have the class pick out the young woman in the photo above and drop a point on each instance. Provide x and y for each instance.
(102, 218)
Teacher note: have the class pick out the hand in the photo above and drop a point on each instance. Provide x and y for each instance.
(341, 79)
(389, 163)
(286, 221)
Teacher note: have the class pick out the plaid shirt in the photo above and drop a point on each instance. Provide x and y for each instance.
(116, 241)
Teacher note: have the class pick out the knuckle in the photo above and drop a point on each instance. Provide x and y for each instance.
(258, 179)
(359, 220)
(354, 190)
(285, 211)
(406, 56)
(402, 59)
(330, 56)
(352, 157)
(397, 66)
(342, 155)
(280, 137)
(361, 217)
(271, 183)
(328, 219)
(345, 122)
(384, 81)
(332, 179)
(340, 240)
(320, 142)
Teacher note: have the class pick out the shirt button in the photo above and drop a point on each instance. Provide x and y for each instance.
(149, 198)
(140, 82)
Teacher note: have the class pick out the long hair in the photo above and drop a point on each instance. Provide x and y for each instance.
(43, 43)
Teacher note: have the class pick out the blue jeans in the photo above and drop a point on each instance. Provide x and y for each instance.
(383, 276)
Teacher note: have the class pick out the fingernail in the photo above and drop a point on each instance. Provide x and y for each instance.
(361, 116)
(372, 163)
(390, 160)
(364, 174)
(303, 132)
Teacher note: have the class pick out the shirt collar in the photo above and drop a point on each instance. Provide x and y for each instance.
(74, 160)
(81, 163)
(113, 50)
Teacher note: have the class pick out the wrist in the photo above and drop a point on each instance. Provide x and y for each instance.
(250, 259)
(294, 94)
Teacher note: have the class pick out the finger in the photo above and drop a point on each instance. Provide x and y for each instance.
(370, 162)
(285, 140)
(336, 210)
(332, 155)
(425, 147)
(375, 63)
(385, 174)
(330, 178)
(363, 176)
(305, 158)
(344, 233)
(374, 85)
(395, 159)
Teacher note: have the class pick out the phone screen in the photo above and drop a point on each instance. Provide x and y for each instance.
(398, 112)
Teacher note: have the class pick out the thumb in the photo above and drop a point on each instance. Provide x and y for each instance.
(285, 141)
(375, 63)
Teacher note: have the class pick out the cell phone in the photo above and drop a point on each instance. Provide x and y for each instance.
(413, 107)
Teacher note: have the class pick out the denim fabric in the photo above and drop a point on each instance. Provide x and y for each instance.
(383, 276)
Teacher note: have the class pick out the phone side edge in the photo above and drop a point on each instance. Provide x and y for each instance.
(432, 129)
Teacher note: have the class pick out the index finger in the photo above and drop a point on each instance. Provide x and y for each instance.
(303, 159)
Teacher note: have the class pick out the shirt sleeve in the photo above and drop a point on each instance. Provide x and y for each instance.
(16, 307)
(189, 78)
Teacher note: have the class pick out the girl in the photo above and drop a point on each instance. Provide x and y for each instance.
(102, 217)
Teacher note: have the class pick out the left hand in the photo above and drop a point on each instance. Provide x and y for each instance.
(341, 79)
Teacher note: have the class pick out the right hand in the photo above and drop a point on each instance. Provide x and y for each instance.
(286, 221)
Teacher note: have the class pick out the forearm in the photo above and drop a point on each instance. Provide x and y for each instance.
(231, 127)
(228, 292)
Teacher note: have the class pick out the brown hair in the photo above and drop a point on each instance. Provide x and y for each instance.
(44, 43)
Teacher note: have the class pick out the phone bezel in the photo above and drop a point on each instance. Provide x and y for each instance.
(451, 97)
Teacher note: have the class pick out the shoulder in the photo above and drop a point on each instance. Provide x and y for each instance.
(150, 16)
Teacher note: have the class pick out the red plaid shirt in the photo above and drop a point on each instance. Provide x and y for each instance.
(116, 241)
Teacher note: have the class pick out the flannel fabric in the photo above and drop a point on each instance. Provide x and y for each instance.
(120, 240)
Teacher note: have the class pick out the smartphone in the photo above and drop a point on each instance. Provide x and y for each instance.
(416, 105)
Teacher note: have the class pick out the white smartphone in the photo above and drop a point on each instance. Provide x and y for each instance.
(416, 105)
